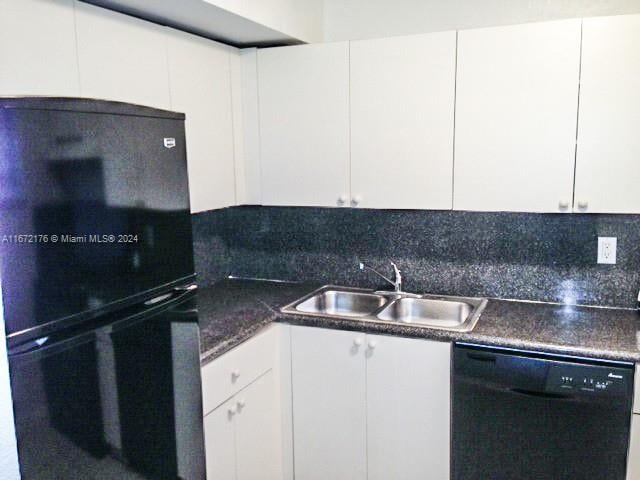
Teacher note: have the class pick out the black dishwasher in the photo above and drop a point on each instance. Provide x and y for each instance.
(522, 415)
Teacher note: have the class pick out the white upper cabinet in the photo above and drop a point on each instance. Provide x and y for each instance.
(38, 48)
(516, 112)
(402, 107)
(121, 58)
(200, 85)
(304, 124)
(608, 155)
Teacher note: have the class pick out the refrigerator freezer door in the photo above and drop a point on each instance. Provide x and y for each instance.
(94, 203)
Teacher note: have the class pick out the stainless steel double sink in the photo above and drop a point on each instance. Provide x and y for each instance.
(429, 311)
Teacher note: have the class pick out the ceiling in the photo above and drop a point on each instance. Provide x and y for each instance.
(201, 18)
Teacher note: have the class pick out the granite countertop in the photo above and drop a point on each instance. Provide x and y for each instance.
(233, 310)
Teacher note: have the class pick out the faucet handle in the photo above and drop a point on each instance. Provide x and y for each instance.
(396, 271)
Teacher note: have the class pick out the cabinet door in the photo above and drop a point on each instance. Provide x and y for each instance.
(636, 384)
(200, 82)
(304, 124)
(219, 438)
(258, 437)
(408, 408)
(402, 102)
(328, 383)
(38, 48)
(121, 58)
(516, 111)
(607, 168)
(633, 469)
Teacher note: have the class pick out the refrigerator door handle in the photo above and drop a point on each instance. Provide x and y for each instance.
(30, 346)
(186, 288)
(174, 294)
(45, 346)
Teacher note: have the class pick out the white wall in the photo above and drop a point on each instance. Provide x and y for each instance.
(356, 19)
(300, 19)
(8, 451)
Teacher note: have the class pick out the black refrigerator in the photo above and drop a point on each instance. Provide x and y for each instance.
(98, 290)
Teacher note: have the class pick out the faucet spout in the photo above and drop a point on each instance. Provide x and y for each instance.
(397, 282)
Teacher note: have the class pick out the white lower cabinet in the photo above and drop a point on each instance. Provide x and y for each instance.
(633, 469)
(329, 404)
(369, 406)
(257, 422)
(220, 442)
(408, 408)
(245, 427)
(242, 436)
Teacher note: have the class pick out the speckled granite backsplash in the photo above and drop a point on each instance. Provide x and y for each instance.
(548, 257)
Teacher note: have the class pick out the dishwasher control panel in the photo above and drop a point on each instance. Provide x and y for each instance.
(588, 379)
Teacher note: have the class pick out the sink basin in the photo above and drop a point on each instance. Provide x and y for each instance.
(426, 311)
(429, 311)
(342, 303)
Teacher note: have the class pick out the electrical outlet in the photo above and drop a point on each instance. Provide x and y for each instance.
(607, 250)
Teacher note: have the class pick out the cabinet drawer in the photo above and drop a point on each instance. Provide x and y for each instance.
(225, 376)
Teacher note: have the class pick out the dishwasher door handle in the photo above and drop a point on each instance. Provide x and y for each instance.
(534, 393)
(480, 357)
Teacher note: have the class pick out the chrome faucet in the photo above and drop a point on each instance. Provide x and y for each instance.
(397, 282)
